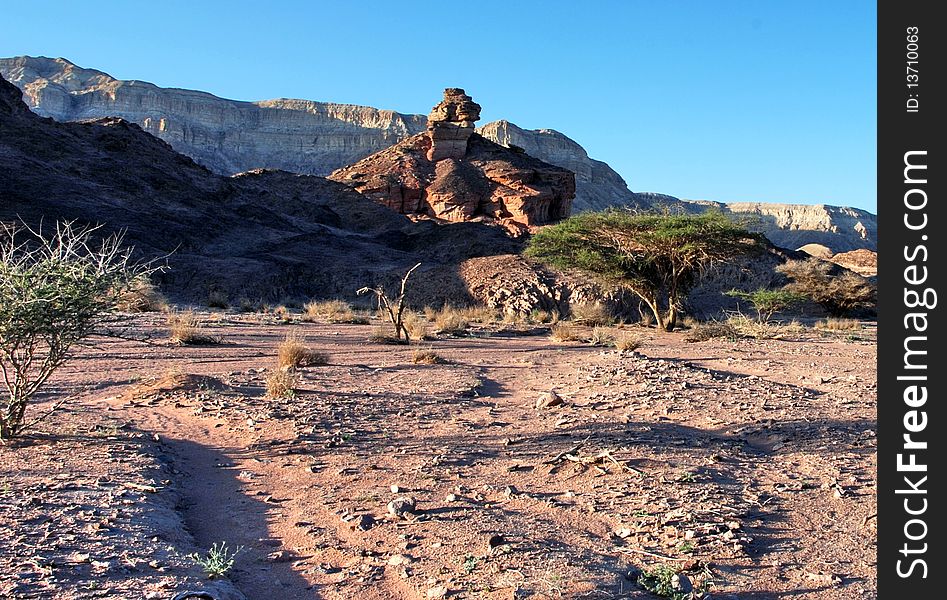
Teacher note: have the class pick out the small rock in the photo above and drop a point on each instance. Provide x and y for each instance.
(438, 591)
(548, 400)
(495, 541)
(399, 507)
(623, 532)
(451, 497)
(398, 560)
(733, 525)
(363, 522)
(395, 489)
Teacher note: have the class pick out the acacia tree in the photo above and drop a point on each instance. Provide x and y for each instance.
(55, 290)
(837, 293)
(658, 257)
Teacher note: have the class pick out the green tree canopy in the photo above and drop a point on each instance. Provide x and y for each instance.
(658, 257)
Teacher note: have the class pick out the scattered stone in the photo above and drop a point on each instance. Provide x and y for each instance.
(549, 399)
(399, 507)
(398, 560)
(682, 583)
(438, 591)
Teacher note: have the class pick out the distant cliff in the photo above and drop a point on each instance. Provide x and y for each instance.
(300, 136)
(838, 228)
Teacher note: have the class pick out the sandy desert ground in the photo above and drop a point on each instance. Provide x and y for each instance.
(749, 464)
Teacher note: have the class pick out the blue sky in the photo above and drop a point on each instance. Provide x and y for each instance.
(720, 100)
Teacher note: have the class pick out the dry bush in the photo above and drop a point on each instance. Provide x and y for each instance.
(836, 324)
(142, 296)
(565, 332)
(837, 294)
(451, 321)
(601, 336)
(689, 321)
(711, 330)
(247, 305)
(283, 313)
(426, 356)
(282, 383)
(293, 352)
(218, 299)
(593, 315)
(746, 327)
(627, 342)
(186, 329)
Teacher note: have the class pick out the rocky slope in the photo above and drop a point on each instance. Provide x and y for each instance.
(300, 136)
(453, 174)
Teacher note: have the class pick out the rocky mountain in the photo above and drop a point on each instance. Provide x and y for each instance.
(453, 174)
(299, 136)
(261, 234)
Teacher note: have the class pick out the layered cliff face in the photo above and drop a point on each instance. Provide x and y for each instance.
(300, 136)
(792, 226)
(453, 174)
(226, 136)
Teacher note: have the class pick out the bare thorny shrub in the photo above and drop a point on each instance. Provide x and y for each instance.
(55, 290)
(393, 307)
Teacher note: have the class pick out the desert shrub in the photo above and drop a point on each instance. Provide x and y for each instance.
(601, 336)
(659, 581)
(450, 321)
(218, 561)
(416, 325)
(55, 289)
(142, 296)
(711, 330)
(394, 307)
(658, 257)
(186, 328)
(627, 342)
(282, 383)
(293, 352)
(425, 356)
(565, 332)
(646, 320)
(837, 294)
(768, 302)
(837, 324)
(283, 313)
(218, 299)
(593, 315)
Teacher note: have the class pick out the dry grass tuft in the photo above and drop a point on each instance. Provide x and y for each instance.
(293, 352)
(332, 311)
(426, 356)
(450, 321)
(186, 330)
(711, 330)
(593, 315)
(142, 296)
(626, 342)
(416, 325)
(384, 334)
(601, 336)
(565, 332)
(765, 330)
(218, 299)
(836, 324)
(480, 314)
(282, 383)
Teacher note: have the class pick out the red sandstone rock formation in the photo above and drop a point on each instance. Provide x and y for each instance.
(453, 174)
